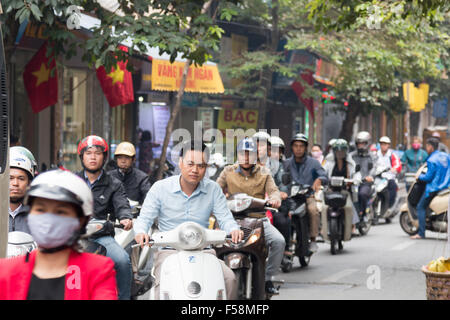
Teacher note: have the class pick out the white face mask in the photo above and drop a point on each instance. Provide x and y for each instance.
(51, 230)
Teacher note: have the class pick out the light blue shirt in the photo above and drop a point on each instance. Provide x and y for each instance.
(167, 202)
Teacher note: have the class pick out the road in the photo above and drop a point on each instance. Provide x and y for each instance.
(384, 264)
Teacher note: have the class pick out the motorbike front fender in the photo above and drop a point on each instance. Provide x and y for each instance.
(237, 260)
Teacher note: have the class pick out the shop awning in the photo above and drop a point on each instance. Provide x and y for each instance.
(166, 76)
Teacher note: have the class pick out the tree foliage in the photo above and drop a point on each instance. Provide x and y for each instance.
(175, 27)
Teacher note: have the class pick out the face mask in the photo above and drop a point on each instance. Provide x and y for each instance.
(416, 146)
(316, 154)
(50, 230)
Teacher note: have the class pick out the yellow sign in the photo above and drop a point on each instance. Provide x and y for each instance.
(167, 76)
(417, 98)
(236, 119)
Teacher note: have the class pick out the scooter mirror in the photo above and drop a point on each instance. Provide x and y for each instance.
(358, 168)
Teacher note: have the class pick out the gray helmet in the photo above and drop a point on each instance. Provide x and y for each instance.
(300, 137)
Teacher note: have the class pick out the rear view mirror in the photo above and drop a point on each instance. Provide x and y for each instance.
(358, 168)
(286, 179)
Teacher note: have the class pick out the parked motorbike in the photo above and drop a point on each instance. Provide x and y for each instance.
(19, 243)
(299, 241)
(366, 219)
(191, 273)
(380, 203)
(248, 258)
(337, 223)
(437, 211)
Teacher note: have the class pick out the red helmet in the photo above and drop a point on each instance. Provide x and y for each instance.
(92, 141)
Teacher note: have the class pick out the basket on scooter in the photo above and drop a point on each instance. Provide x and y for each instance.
(335, 199)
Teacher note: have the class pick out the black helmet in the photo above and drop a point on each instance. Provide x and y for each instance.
(300, 137)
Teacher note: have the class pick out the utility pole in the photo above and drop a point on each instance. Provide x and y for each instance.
(4, 151)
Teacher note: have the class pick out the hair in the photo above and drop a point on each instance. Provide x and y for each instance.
(434, 142)
(417, 138)
(195, 145)
(317, 145)
(146, 136)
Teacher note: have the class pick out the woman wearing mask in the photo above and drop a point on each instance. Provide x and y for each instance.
(414, 157)
(60, 206)
(316, 153)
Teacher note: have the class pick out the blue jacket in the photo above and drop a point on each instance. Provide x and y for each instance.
(438, 172)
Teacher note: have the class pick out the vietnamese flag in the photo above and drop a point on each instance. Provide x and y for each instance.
(299, 89)
(41, 86)
(118, 84)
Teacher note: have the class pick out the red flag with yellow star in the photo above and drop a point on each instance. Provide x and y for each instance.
(41, 85)
(118, 84)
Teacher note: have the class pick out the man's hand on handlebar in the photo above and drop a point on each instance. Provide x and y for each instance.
(237, 235)
(142, 239)
(127, 224)
(274, 203)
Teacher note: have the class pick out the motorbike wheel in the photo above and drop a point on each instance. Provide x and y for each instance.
(366, 223)
(286, 264)
(334, 232)
(240, 280)
(304, 261)
(376, 205)
(407, 225)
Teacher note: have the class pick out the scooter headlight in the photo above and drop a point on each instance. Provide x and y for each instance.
(191, 236)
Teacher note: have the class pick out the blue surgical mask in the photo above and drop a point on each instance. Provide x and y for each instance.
(51, 230)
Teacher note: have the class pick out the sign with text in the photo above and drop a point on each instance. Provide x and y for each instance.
(167, 76)
(237, 119)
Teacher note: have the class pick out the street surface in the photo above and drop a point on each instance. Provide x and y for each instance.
(384, 264)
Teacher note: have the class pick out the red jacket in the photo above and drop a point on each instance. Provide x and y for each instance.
(89, 277)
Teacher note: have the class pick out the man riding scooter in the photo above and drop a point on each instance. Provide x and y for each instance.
(135, 181)
(21, 173)
(110, 199)
(306, 170)
(437, 178)
(255, 180)
(387, 158)
(366, 161)
(187, 197)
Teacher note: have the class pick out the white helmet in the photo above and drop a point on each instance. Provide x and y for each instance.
(62, 185)
(19, 160)
(217, 159)
(384, 139)
(27, 153)
(277, 141)
(261, 136)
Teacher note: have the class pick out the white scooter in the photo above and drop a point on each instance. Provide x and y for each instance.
(191, 273)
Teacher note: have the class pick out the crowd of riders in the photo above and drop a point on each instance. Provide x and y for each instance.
(55, 206)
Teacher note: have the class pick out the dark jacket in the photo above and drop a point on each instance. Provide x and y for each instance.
(305, 172)
(109, 198)
(19, 222)
(135, 182)
(366, 161)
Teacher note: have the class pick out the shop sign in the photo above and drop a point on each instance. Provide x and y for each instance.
(167, 76)
(235, 119)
